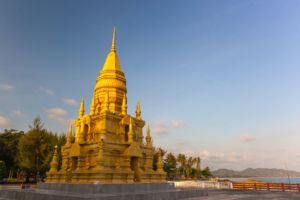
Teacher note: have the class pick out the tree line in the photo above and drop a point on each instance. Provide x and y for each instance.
(28, 155)
(181, 166)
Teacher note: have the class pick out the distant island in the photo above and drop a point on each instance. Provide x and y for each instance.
(258, 172)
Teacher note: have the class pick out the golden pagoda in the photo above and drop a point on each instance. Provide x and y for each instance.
(109, 145)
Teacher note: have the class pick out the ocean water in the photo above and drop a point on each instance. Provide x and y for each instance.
(280, 180)
(268, 179)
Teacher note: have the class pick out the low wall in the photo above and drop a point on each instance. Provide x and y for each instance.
(203, 184)
(54, 191)
(106, 188)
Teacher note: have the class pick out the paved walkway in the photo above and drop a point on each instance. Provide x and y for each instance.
(248, 195)
(4, 187)
(228, 195)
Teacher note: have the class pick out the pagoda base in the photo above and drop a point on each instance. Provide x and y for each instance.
(104, 176)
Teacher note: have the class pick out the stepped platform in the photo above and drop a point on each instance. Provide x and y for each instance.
(142, 191)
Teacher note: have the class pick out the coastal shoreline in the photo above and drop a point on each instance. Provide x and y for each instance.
(265, 179)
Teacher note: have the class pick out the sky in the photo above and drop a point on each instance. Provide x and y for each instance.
(216, 79)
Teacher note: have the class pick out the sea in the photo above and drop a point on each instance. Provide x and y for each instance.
(268, 179)
(280, 180)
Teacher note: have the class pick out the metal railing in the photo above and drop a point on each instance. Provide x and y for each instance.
(267, 186)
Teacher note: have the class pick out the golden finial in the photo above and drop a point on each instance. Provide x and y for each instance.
(148, 130)
(54, 163)
(138, 110)
(113, 43)
(159, 163)
(70, 134)
(92, 107)
(81, 109)
(124, 105)
(130, 132)
(148, 137)
(112, 61)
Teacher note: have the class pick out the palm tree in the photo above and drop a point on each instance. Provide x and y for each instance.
(189, 167)
(181, 159)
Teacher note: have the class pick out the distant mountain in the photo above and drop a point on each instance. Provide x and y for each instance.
(258, 172)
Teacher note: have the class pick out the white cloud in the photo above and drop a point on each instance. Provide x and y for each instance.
(6, 87)
(237, 160)
(164, 128)
(53, 113)
(70, 102)
(47, 91)
(161, 128)
(4, 122)
(205, 154)
(17, 113)
(183, 142)
(177, 124)
(58, 115)
(189, 153)
(247, 138)
(229, 160)
(64, 122)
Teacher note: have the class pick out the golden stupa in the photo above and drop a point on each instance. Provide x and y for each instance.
(109, 145)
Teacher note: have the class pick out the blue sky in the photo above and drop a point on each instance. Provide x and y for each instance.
(217, 79)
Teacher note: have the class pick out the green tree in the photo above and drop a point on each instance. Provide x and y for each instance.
(170, 166)
(9, 141)
(2, 170)
(60, 141)
(188, 169)
(35, 149)
(206, 172)
(181, 159)
(197, 170)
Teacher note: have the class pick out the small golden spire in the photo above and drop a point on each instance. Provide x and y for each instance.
(113, 43)
(159, 162)
(92, 107)
(70, 134)
(81, 109)
(138, 110)
(148, 137)
(54, 163)
(124, 105)
(130, 131)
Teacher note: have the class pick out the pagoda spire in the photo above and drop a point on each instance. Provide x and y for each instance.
(54, 163)
(111, 78)
(130, 132)
(81, 109)
(148, 137)
(112, 61)
(113, 42)
(124, 105)
(70, 134)
(92, 107)
(159, 162)
(138, 110)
